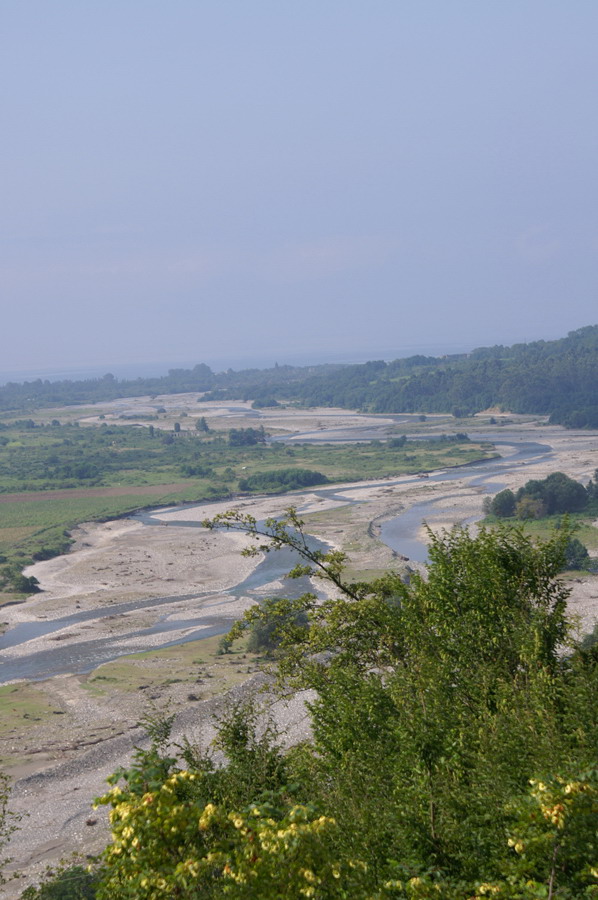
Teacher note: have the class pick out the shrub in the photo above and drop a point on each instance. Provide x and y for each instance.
(282, 480)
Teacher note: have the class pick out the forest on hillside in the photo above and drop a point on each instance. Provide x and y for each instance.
(553, 378)
(45, 393)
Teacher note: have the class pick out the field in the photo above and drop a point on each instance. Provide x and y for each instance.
(22, 707)
(583, 528)
(54, 476)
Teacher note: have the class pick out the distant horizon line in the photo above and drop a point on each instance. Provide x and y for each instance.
(131, 371)
(154, 368)
(158, 368)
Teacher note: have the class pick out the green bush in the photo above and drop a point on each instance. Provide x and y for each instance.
(68, 883)
(576, 555)
(451, 749)
(282, 480)
(266, 633)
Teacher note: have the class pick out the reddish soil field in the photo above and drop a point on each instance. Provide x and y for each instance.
(126, 490)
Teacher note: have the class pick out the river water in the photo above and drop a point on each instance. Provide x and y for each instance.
(398, 533)
(84, 656)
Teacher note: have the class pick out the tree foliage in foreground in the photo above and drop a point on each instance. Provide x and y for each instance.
(452, 751)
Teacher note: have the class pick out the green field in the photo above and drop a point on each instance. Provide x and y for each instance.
(53, 477)
(582, 529)
(23, 706)
(543, 529)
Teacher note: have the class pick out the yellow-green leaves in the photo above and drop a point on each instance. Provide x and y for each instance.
(166, 845)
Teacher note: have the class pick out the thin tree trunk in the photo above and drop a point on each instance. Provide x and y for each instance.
(552, 871)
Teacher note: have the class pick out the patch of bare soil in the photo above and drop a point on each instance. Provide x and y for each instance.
(83, 493)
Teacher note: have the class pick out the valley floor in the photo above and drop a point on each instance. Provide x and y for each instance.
(61, 737)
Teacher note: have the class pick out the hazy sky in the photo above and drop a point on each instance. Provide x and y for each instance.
(264, 180)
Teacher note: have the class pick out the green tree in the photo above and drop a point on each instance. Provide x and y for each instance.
(246, 437)
(557, 494)
(530, 508)
(281, 480)
(563, 494)
(12, 578)
(266, 632)
(435, 701)
(503, 504)
(576, 555)
(203, 831)
(66, 883)
(433, 704)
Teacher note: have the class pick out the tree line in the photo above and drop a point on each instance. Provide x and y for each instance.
(556, 494)
(554, 378)
(558, 379)
(42, 393)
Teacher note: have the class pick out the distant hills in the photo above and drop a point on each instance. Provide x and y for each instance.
(554, 378)
(36, 393)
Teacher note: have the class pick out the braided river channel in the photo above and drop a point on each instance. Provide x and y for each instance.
(399, 533)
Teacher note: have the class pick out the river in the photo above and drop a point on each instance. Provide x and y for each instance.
(399, 533)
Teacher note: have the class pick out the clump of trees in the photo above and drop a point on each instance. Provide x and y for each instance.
(265, 403)
(246, 437)
(555, 495)
(12, 579)
(273, 480)
(396, 443)
(452, 750)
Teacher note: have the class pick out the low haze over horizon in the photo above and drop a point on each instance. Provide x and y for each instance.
(151, 368)
(244, 184)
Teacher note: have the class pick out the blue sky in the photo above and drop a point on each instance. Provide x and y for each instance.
(233, 182)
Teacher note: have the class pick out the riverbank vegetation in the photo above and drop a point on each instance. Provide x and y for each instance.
(54, 476)
(553, 378)
(556, 494)
(541, 504)
(452, 748)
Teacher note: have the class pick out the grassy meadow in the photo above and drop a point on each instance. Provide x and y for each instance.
(55, 476)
